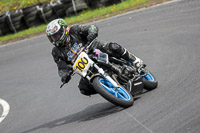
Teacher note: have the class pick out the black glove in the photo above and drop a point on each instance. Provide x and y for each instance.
(66, 78)
(91, 37)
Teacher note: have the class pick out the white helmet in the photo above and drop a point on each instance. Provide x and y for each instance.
(57, 32)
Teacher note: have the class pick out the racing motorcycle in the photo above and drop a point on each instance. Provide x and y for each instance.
(114, 79)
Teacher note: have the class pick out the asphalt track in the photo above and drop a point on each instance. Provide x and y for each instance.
(166, 37)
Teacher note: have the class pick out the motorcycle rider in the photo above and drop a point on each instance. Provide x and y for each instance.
(63, 38)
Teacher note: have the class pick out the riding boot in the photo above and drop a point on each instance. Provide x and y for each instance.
(128, 56)
(131, 58)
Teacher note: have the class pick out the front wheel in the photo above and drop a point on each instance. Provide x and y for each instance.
(118, 96)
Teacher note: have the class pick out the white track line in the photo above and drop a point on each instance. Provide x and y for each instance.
(145, 127)
(6, 109)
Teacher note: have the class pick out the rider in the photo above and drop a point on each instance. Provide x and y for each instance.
(63, 38)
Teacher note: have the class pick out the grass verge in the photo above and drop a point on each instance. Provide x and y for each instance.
(84, 17)
(11, 5)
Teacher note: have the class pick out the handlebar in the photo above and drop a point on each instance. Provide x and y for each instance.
(88, 46)
(85, 50)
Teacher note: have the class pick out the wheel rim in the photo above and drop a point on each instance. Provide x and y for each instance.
(149, 77)
(117, 92)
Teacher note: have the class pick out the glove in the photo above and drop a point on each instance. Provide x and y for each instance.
(91, 37)
(138, 62)
(66, 78)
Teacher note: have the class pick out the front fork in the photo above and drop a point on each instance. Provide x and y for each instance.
(105, 75)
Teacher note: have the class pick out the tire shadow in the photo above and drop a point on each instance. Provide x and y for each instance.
(89, 113)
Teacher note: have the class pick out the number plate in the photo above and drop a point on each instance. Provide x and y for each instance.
(81, 64)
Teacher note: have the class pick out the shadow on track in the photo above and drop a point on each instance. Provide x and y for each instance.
(90, 113)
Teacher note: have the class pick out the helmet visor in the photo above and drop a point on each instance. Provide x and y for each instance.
(56, 37)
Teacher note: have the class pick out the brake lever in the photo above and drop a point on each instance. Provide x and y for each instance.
(65, 82)
(62, 85)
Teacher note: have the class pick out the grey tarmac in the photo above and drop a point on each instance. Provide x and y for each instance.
(166, 37)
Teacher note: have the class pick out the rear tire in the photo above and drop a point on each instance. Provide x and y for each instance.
(120, 97)
(150, 82)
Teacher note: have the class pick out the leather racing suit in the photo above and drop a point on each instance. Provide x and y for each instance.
(80, 34)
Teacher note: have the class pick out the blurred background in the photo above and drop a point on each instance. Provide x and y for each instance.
(17, 15)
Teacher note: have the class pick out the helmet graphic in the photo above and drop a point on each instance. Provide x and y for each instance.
(57, 32)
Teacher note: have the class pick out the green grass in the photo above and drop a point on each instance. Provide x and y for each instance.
(11, 5)
(81, 18)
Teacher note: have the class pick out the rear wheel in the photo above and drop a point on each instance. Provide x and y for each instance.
(150, 82)
(118, 96)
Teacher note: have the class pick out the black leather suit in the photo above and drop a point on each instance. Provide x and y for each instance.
(80, 34)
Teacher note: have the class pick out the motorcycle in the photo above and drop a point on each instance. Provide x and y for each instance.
(114, 79)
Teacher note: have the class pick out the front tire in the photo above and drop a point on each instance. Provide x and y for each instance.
(118, 96)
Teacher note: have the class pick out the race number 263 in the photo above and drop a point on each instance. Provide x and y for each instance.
(81, 64)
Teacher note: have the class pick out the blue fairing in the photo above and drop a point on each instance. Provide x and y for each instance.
(117, 92)
(149, 77)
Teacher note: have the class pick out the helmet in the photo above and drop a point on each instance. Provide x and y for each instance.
(57, 32)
